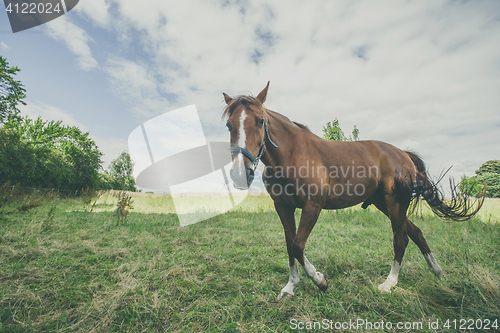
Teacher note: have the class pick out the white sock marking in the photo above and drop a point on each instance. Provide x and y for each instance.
(294, 279)
(392, 279)
(317, 277)
(433, 264)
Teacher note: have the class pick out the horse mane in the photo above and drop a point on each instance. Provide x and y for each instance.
(237, 101)
(279, 115)
(250, 100)
(302, 126)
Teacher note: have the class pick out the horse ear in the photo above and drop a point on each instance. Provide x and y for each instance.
(227, 98)
(261, 97)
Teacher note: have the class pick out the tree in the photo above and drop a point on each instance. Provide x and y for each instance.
(492, 181)
(492, 166)
(12, 92)
(120, 174)
(53, 155)
(489, 174)
(332, 131)
(355, 134)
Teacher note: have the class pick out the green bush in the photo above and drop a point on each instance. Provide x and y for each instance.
(106, 181)
(470, 185)
(44, 154)
(17, 158)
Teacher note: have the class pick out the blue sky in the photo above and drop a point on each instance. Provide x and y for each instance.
(422, 75)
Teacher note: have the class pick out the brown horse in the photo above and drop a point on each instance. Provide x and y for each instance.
(305, 171)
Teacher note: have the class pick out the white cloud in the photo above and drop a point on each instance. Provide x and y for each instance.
(97, 10)
(75, 38)
(4, 46)
(136, 83)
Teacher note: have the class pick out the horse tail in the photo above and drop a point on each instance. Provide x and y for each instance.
(458, 208)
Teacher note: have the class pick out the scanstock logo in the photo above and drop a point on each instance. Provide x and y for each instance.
(171, 154)
(28, 14)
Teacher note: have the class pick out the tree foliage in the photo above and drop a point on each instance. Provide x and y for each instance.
(492, 166)
(48, 154)
(332, 131)
(470, 185)
(12, 92)
(489, 174)
(119, 175)
(492, 180)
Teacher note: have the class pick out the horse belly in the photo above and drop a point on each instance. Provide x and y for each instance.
(349, 193)
(327, 193)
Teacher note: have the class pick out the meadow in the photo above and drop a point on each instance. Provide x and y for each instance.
(64, 269)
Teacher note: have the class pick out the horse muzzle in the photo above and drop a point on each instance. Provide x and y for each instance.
(242, 180)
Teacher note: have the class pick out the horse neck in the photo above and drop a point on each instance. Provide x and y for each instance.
(280, 131)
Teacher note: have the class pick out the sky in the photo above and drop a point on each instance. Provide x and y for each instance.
(421, 75)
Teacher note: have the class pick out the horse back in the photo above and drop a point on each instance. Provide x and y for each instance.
(337, 174)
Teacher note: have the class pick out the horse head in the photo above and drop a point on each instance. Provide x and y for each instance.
(247, 124)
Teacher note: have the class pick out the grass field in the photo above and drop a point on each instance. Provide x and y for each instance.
(66, 270)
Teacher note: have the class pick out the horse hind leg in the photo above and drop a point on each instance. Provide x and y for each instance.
(418, 238)
(401, 231)
(317, 277)
(400, 239)
(400, 242)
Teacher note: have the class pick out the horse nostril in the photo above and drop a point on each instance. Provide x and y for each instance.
(250, 176)
(242, 180)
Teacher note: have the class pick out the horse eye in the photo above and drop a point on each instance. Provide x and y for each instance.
(261, 122)
(228, 126)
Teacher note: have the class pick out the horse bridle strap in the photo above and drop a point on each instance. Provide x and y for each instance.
(255, 160)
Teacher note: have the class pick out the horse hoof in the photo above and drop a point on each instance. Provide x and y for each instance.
(385, 287)
(323, 286)
(438, 273)
(284, 295)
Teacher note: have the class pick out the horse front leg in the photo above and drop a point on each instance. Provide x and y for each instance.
(287, 217)
(310, 214)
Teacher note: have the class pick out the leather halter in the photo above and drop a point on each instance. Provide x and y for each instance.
(255, 160)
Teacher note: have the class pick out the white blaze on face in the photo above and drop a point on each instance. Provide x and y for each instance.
(241, 143)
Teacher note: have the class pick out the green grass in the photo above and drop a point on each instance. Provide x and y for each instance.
(66, 270)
